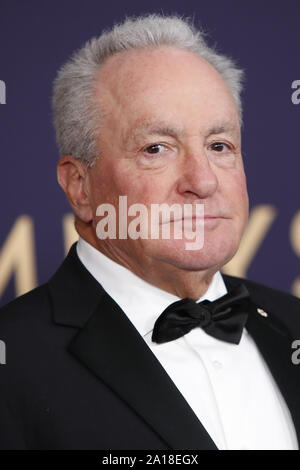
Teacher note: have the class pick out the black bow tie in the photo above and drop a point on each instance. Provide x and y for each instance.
(223, 318)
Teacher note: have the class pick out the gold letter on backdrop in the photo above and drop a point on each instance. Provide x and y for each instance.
(260, 220)
(17, 256)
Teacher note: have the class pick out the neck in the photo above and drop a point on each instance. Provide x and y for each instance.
(182, 284)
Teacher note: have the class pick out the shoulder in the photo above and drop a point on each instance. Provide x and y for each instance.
(25, 309)
(37, 303)
(283, 305)
(27, 335)
(262, 291)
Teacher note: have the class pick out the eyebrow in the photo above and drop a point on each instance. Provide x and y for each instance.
(222, 128)
(155, 129)
(163, 129)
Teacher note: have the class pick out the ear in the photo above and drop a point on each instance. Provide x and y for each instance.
(72, 177)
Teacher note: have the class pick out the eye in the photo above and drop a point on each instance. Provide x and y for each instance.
(154, 149)
(219, 147)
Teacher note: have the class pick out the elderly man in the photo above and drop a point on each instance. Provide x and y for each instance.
(137, 342)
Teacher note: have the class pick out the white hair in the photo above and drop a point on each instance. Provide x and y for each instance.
(77, 114)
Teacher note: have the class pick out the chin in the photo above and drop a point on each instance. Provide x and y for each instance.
(210, 256)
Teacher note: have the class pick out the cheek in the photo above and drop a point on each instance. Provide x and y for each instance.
(139, 188)
(108, 181)
(239, 197)
(236, 185)
(236, 194)
(242, 189)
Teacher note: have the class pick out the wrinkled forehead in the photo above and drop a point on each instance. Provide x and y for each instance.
(167, 82)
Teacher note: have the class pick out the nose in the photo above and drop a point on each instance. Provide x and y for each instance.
(198, 178)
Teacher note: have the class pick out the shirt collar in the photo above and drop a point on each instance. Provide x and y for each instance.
(141, 302)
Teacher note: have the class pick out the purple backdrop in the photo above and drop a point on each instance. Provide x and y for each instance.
(36, 37)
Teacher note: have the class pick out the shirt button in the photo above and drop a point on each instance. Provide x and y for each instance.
(217, 365)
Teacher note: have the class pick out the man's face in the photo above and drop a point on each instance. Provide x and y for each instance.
(170, 134)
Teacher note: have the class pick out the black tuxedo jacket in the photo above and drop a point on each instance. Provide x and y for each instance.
(79, 376)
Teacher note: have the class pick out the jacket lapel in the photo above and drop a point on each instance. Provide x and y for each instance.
(111, 348)
(274, 341)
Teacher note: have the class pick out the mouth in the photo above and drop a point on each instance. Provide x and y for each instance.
(196, 218)
(208, 222)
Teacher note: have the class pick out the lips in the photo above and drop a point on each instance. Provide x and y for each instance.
(194, 217)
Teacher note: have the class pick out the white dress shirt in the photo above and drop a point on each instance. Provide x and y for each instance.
(229, 387)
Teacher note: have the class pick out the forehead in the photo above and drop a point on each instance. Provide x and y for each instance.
(164, 84)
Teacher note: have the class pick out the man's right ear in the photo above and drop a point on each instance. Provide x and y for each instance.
(71, 176)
